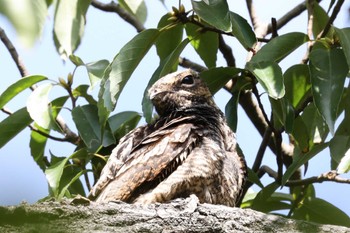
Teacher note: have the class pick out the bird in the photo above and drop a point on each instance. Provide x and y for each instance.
(189, 149)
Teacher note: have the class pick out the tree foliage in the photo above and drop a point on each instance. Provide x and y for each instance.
(306, 100)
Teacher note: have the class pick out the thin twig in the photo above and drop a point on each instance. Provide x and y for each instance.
(116, 8)
(8, 112)
(297, 10)
(331, 19)
(262, 149)
(331, 176)
(226, 52)
(13, 52)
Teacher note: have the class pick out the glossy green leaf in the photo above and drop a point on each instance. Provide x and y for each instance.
(166, 66)
(315, 125)
(13, 124)
(76, 60)
(53, 175)
(320, 19)
(344, 165)
(87, 122)
(280, 47)
(18, 87)
(38, 141)
(123, 122)
(328, 70)
(65, 189)
(27, 16)
(320, 211)
(297, 84)
(82, 90)
(37, 146)
(300, 160)
(262, 197)
(339, 146)
(216, 78)
(231, 110)
(205, 43)
(301, 134)
(344, 36)
(170, 37)
(119, 71)
(214, 12)
(96, 71)
(270, 77)
(242, 31)
(38, 106)
(136, 7)
(254, 178)
(283, 114)
(69, 23)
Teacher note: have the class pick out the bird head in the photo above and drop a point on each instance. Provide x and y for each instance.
(179, 90)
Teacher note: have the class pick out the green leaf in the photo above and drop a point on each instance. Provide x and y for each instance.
(82, 90)
(254, 178)
(299, 160)
(339, 146)
(96, 71)
(320, 19)
(216, 78)
(136, 7)
(166, 66)
(270, 77)
(214, 12)
(280, 47)
(231, 112)
(69, 23)
(261, 198)
(328, 70)
(76, 60)
(18, 87)
(344, 36)
(13, 124)
(53, 175)
(283, 114)
(64, 190)
(344, 165)
(123, 122)
(38, 106)
(297, 84)
(27, 16)
(205, 43)
(119, 71)
(170, 37)
(242, 31)
(37, 146)
(87, 122)
(320, 211)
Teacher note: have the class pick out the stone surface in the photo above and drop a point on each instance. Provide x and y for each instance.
(178, 216)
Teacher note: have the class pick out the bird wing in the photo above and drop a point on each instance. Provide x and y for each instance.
(117, 158)
(148, 159)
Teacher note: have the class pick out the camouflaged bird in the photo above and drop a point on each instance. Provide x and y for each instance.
(188, 150)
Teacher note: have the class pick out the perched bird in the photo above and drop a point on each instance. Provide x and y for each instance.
(188, 150)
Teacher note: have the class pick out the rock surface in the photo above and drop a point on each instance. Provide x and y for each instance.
(178, 216)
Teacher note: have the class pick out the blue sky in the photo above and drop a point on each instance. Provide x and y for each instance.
(105, 33)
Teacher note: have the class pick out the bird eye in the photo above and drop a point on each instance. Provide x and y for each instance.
(188, 80)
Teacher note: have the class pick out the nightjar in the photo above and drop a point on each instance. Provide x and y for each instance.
(189, 149)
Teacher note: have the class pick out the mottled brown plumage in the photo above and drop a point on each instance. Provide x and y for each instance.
(189, 150)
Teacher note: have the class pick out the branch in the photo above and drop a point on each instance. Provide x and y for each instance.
(8, 112)
(13, 52)
(330, 176)
(116, 8)
(332, 18)
(289, 16)
(226, 52)
(69, 135)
